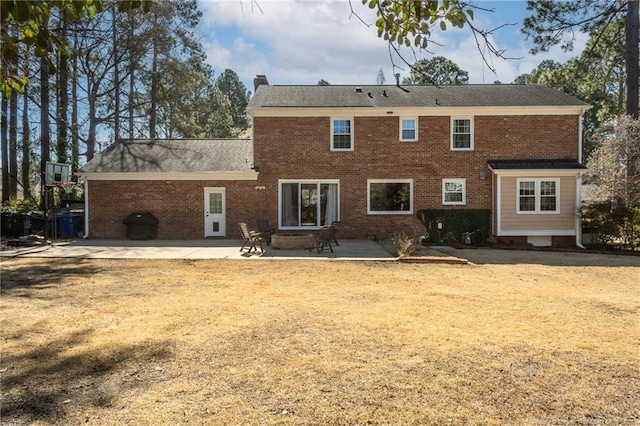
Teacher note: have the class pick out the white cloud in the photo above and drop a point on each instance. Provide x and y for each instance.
(294, 42)
(301, 42)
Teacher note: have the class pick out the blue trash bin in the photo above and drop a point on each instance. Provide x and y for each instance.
(66, 227)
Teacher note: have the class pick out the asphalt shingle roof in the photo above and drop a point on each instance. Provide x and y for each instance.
(175, 156)
(480, 95)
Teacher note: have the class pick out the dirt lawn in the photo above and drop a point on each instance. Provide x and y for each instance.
(517, 338)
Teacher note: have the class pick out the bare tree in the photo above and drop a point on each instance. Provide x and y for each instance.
(26, 133)
(45, 129)
(62, 92)
(610, 165)
(4, 144)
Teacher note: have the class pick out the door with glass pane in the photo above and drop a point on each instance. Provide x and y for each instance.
(214, 212)
(308, 204)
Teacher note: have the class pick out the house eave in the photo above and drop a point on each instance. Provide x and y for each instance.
(536, 233)
(140, 176)
(363, 111)
(537, 172)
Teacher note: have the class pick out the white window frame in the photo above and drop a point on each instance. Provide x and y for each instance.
(415, 129)
(537, 195)
(305, 181)
(471, 131)
(351, 139)
(390, 212)
(464, 192)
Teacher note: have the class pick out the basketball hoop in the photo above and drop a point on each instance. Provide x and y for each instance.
(57, 173)
(64, 185)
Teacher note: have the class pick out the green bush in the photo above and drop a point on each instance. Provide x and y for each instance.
(24, 206)
(13, 214)
(454, 223)
(12, 223)
(613, 225)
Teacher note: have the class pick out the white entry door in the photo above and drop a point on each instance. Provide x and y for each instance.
(214, 212)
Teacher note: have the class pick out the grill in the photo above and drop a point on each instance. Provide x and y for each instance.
(141, 226)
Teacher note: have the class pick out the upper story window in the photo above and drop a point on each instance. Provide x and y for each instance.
(389, 196)
(461, 133)
(538, 195)
(342, 134)
(408, 129)
(454, 191)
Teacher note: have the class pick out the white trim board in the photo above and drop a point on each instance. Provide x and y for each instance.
(171, 176)
(412, 111)
(538, 233)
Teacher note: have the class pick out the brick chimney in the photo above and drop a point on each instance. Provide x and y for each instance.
(259, 81)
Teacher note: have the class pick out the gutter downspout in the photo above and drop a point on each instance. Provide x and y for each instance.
(579, 183)
(86, 209)
(578, 206)
(494, 201)
(580, 135)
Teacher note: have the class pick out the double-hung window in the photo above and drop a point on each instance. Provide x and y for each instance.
(462, 133)
(408, 129)
(538, 195)
(389, 196)
(454, 191)
(308, 203)
(342, 134)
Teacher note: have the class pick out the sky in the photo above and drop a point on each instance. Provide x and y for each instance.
(304, 41)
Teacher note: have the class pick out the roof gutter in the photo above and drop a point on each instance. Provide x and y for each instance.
(536, 172)
(419, 110)
(245, 175)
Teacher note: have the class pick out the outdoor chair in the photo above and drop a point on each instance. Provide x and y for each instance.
(266, 230)
(336, 225)
(324, 239)
(252, 239)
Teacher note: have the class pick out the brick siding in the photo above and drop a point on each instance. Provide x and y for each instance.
(178, 205)
(299, 148)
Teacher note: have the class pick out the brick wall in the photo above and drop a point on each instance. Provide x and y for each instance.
(178, 205)
(299, 148)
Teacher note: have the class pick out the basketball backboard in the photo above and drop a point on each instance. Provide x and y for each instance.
(57, 173)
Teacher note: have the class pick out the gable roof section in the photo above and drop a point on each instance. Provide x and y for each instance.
(145, 158)
(353, 96)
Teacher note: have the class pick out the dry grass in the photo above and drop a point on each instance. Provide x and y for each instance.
(314, 342)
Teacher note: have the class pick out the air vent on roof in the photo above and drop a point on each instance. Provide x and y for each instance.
(358, 89)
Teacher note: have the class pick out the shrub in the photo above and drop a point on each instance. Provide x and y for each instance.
(404, 245)
(631, 229)
(454, 223)
(13, 214)
(613, 224)
(24, 206)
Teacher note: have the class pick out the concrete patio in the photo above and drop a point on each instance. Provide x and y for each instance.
(193, 249)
